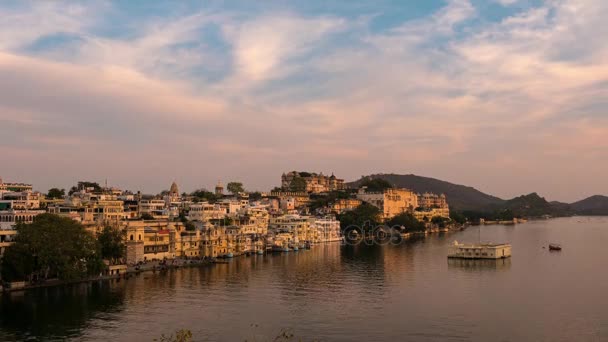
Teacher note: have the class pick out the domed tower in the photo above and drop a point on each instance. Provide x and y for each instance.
(219, 188)
(174, 191)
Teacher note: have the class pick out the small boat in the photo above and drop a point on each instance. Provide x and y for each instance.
(555, 247)
(295, 248)
(229, 255)
(260, 252)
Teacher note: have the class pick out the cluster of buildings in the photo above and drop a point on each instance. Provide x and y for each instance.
(313, 182)
(393, 202)
(174, 225)
(171, 225)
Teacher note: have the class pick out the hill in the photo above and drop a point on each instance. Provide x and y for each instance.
(459, 197)
(594, 205)
(532, 205)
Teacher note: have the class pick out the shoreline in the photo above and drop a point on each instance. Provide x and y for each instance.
(131, 271)
(152, 266)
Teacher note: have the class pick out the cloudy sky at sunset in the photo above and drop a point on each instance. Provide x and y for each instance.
(507, 96)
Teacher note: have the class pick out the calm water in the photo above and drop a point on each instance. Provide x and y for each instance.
(337, 293)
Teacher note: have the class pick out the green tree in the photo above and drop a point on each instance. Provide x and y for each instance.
(298, 184)
(407, 221)
(457, 217)
(146, 216)
(235, 187)
(55, 193)
(52, 246)
(202, 195)
(17, 263)
(364, 216)
(439, 221)
(376, 185)
(255, 196)
(83, 185)
(189, 226)
(111, 242)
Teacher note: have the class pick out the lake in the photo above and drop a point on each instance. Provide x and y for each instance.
(407, 292)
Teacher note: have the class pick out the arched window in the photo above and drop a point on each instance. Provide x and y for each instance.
(131, 238)
(139, 237)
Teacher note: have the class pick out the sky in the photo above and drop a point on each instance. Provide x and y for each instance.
(507, 96)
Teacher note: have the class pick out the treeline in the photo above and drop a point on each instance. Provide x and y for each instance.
(54, 247)
(368, 217)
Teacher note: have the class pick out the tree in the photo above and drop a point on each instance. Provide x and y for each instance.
(189, 226)
(55, 193)
(376, 185)
(457, 217)
(235, 187)
(111, 242)
(407, 221)
(364, 216)
(202, 195)
(146, 216)
(439, 221)
(52, 247)
(255, 196)
(84, 185)
(298, 184)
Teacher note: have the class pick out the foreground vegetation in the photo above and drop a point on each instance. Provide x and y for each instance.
(54, 247)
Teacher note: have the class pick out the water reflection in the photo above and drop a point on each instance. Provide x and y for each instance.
(479, 265)
(399, 292)
(57, 312)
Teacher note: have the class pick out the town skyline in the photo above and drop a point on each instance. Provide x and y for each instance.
(276, 184)
(500, 95)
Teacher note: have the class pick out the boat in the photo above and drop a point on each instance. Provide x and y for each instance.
(260, 252)
(555, 247)
(229, 255)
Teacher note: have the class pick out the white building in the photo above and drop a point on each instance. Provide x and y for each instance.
(328, 229)
(205, 211)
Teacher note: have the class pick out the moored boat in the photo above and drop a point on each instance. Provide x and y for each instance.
(555, 247)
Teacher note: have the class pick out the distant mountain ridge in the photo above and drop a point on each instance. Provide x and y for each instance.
(594, 205)
(460, 197)
(466, 198)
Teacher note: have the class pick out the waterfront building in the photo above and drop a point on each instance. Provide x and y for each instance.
(431, 205)
(328, 229)
(298, 228)
(155, 240)
(253, 220)
(391, 201)
(187, 243)
(430, 200)
(315, 183)
(7, 236)
(215, 241)
(480, 251)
